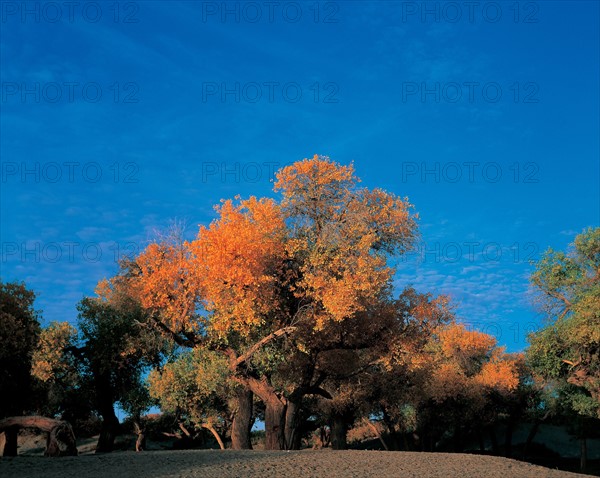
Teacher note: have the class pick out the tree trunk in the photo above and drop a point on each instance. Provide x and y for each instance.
(508, 439)
(105, 405)
(583, 458)
(60, 441)
(531, 436)
(392, 433)
(211, 429)
(275, 424)
(292, 423)
(140, 442)
(494, 440)
(10, 442)
(339, 430)
(242, 421)
(480, 440)
(377, 434)
(108, 432)
(275, 407)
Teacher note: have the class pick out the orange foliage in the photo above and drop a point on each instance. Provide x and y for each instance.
(325, 245)
(469, 364)
(165, 282)
(237, 260)
(457, 341)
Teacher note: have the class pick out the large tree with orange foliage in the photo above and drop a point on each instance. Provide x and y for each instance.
(266, 269)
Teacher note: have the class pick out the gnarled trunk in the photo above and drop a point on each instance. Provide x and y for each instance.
(60, 441)
(242, 421)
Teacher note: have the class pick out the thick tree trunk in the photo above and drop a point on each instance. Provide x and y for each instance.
(60, 441)
(108, 432)
(275, 407)
(339, 431)
(274, 424)
(292, 424)
(242, 421)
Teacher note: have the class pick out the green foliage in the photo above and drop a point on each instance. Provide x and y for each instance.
(118, 350)
(19, 332)
(195, 386)
(567, 350)
(57, 373)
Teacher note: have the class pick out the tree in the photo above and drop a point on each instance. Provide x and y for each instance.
(19, 332)
(467, 374)
(116, 351)
(566, 352)
(265, 269)
(58, 374)
(196, 388)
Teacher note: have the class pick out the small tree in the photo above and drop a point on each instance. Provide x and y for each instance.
(566, 353)
(19, 333)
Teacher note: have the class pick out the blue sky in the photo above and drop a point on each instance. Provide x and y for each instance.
(117, 118)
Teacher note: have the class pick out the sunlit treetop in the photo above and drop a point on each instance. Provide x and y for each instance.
(237, 260)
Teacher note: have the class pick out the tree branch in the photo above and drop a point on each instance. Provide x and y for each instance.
(187, 341)
(252, 350)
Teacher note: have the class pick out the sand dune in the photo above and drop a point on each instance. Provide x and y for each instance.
(265, 464)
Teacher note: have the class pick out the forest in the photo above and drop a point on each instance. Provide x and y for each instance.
(283, 312)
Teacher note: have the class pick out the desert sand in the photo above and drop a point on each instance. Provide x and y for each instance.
(267, 464)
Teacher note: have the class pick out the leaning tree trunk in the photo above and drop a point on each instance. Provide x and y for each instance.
(215, 434)
(60, 441)
(242, 421)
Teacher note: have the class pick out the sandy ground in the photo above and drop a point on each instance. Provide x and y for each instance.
(265, 464)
